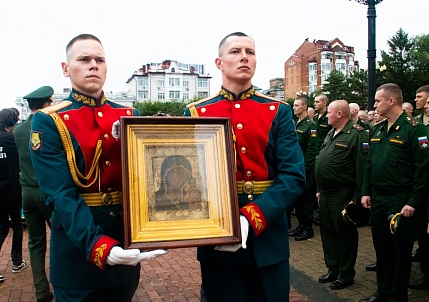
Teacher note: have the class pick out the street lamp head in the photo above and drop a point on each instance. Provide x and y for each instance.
(366, 2)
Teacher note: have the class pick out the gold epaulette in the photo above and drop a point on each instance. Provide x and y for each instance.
(358, 127)
(412, 121)
(56, 107)
(270, 98)
(202, 101)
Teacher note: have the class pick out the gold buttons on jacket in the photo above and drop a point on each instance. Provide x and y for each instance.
(203, 110)
(272, 107)
(108, 163)
(106, 136)
(128, 112)
(239, 126)
(249, 173)
(66, 117)
(237, 106)
(243, 149)
(100, 114)
(250, 197)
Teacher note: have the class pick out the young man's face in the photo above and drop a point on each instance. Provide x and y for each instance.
(421, 99)
(86, 67)
(319, 104)
(382, 102)
(237, 60)
(298, 108)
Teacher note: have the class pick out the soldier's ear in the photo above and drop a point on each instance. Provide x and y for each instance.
(65, 68)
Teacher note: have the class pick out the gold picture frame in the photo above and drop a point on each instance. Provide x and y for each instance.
(179, 187)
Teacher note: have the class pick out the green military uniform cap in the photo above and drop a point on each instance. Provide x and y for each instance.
(40, 95)
(355, 214)
(409, 228)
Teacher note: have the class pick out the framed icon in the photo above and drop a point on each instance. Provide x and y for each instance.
(179, 187)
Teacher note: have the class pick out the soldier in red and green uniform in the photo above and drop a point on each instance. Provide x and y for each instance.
(77, 163)
(270, 177)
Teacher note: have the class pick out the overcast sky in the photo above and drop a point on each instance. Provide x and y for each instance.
(33, 34)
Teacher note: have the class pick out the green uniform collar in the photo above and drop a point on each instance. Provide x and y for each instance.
(241, 96)
(87, 100)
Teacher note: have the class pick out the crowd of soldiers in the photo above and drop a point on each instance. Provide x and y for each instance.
(367, 167)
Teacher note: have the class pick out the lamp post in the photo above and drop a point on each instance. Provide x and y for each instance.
(372, 52)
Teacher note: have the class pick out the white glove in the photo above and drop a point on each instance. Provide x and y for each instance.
(116, 130)
(244, 225)
(118, 255)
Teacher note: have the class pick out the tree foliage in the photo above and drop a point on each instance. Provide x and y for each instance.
(406, 64)
(420, 56)
(335, 86)
(151, 108)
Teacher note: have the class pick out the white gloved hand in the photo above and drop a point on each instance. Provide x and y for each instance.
(118, 255)
(244, 225)
(116, 130)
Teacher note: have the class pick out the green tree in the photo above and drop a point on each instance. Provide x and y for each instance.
(399, 65)
(420, 57)
(357, 83)
(151, 108)
(335, 87)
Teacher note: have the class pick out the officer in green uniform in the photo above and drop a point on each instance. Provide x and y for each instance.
(36, 212)
(422, 252)
(339, 172)
(395, 181)
(323, 127)
(307, 135)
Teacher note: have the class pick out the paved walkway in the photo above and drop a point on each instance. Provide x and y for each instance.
(176, 276)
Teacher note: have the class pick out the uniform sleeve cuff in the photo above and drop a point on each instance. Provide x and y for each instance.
(255, 217)
(101, 249)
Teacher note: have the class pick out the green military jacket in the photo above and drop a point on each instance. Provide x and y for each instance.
(419, 118)
(341, 160)
(307, 135)
(322, 127)
(27, 176)
(398, 160)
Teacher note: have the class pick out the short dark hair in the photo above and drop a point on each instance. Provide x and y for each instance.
(237, 33)
(424, 88)
(302, 100)
(8, 118)
(392, 90)
(82, 37)
(37, 105)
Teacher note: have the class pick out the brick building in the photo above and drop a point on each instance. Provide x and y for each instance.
(309, 67)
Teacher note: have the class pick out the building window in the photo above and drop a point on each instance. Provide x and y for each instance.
(174, 82)
(312, 78)
(174, 95)
(340, 66)
(142, 81)
(312, 67)
(161, 96)
(161, 83)
(202, 94)
(326, 67)
(142, 95)
(185, 84)
(203, 83)
(186, 96)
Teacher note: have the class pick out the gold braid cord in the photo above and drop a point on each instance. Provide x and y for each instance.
(71, 157)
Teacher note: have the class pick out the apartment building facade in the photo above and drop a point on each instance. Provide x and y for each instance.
(169, 80)
(309, 67)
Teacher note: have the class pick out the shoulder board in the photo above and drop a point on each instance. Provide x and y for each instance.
(270, 98)
(55, 107)
(202, 101)
(358, 127)
(412, 121)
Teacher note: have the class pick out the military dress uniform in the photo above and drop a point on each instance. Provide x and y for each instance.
(322, 127)
(339, 173)
(37, 213)
(78, 166)
(395, 175)
(270, 177)
(307, 136)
